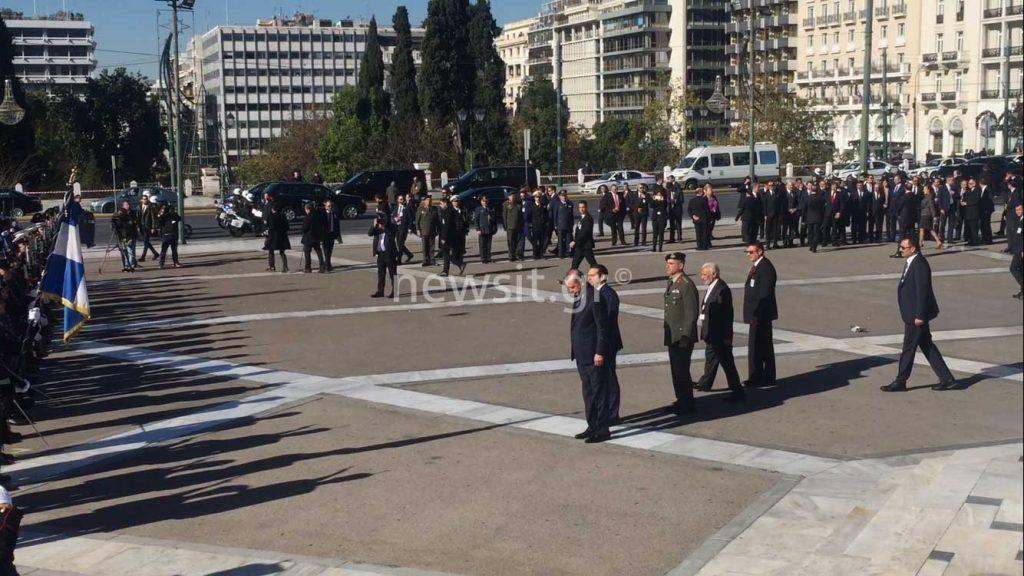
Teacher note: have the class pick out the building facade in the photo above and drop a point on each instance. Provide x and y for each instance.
(612, 57)
(832, 60)
(254, 80)
(514, 48)
(970, 75)
(763, 36)
(53, 52)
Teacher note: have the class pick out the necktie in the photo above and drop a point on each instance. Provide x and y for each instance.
(751, 273)
(616, 197)
(904, 274)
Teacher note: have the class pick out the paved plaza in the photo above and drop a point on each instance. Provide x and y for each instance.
(222, 420)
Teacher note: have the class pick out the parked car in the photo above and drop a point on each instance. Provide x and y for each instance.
(15, 204)
(930, 169)
(491, 176)
(369, 183)
(632, 177)
(134, 196)
(992, 167)
(726, 165)
(496, 197)
(289, 197)
(875, 168)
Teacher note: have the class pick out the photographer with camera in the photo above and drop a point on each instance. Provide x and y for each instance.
(385, 248)
(125, 224)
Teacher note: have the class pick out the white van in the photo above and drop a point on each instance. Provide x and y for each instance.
(724, 165)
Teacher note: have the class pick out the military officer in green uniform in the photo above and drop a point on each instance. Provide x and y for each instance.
(681, 310)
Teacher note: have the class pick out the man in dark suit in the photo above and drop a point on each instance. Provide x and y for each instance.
(760, 309)
(486, 225)
(834, 228)
(403, 218)
(859, 202)
(454, 227)
(332, 232)
(954, 217)
(589, 343)
(597, 277)
(512, 220)
(674, 198)
(1015, 244)
(918, 307)
(680, 322)
(582, 245)
(385, 248)
(715, 319)
(970, 204)
(615, 212)
(750, 212)
(895, 203)
(813, 207)
(773, 201)
(986, 207)
(700, 215)
(564, 219)
(313, 237)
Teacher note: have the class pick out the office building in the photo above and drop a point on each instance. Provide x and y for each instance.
(769, 30)
(52, 52)
(514, 48)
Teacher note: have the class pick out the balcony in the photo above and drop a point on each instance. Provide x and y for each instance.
(928, 96)
(809, 22)
(993, 12)
(1014, 93)
(930, 60)
(949, 98)
(990, 94)
(1016, 50)
(990, 52)
(953, 58)
(850, 16)
(882, 12)
(1015, 10)
(899, 10)
(940, 18)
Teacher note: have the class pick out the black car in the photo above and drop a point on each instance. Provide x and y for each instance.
(369, 183)
(290, 196)
(14, 204)
(492, 176)
(994, 168)
(496, 196)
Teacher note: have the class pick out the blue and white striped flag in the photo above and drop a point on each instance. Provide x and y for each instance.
(64, 279)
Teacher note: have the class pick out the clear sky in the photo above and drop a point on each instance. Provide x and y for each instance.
(126, 30)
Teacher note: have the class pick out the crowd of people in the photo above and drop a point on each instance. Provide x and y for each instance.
(160, 220)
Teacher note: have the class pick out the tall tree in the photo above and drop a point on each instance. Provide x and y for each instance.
(447, 73)
(374, 102)
(403, 71)
(802, 133)
(125, 123)
(17, 143)
(344, 148)
(604, 149)
(536, 110)
(492, 136)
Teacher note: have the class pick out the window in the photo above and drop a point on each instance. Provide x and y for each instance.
(901, 30)
(720, 160)
(810, 41)
(941, 9)
(959, 41)
(851, 36)
(958, 81)
(810, 12)
(835, 39)
(938, 42)
(701, 163)
(741, 158)
(767, 157)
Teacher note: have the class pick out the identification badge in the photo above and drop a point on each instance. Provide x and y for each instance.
(751, 282)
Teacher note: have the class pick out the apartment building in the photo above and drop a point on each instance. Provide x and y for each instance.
(514, 48)
(254, 80)
(764, 33)
(970, 73)
(832, 59)
(53, 52)
(612, 56)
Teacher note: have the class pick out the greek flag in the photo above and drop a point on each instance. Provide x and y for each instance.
(64, 279)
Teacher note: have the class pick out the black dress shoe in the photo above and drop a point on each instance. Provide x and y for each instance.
(751, 384)
(390, 295)
(598, 437)
(614, 421)
(894, 387)
(583, 435)
(735, 398)
(377, 295)
(705, 388)
(941, 386)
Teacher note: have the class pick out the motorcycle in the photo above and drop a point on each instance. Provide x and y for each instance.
(242, 218)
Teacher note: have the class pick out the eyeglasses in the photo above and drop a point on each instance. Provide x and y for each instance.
(751, 251)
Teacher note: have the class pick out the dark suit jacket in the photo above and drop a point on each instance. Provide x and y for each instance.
(390, 245)
(971, 199)
(313, 228)
(610, 303)
(759, 300)
(583, 235)
(915, 295)
(718, 315)
(750, 208)
(589, 332)
(813, 207)
(698, 206)
(564, 215)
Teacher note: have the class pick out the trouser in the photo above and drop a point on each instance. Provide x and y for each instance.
(169, 241)
(875, 224)
(715, 355)
(521, 246)
(329, 252)
(1017, 269)
(771, 231)
(640, 229)
(711, 230)
(890, 227)
(307, 249)
(986, 227)
(632, 221)
(579, 254)
(814, 236)
(403, 250)
(971, 231)
(613, 387)
(618, 226)
(675, 228)
(147, 246)
(940, 225)
(452, 251)
(789, 229)
(1002, 221)
(748, 229)
(600, 222)
(760, 353)
(537, 240)
(857, 229)
(803, 231)
(128, 254)
(595, 381)
(838, 232)
(701, 229)
(270, 260)
(915, 337)
(512, 238)
(485, 247)
(564, 237)
(760, 228)
(952, 227)
(658, 243)
(386, 268)
(428, 250)
(679, 365)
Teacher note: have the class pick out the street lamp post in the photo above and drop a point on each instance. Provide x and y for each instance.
(10, 111)
(865, 106)
(178, 177)
(750, 90)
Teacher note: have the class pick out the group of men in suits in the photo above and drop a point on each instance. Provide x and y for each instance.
(544, 218)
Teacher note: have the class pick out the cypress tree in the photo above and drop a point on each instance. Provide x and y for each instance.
(447, 74)
(403, 71)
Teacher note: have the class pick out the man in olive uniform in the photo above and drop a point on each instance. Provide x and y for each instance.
(681, 310)
(428, 225)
